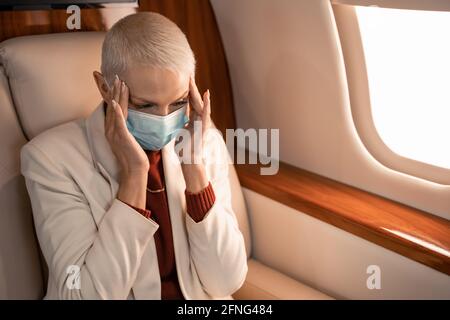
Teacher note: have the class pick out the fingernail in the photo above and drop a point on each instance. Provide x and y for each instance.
(114, 103)
(123, 86)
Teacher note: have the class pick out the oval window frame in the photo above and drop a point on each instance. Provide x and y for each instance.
(358, 90)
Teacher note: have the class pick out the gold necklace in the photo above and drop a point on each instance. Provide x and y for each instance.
(157, 190)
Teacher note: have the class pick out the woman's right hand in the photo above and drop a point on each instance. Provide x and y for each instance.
(133, 161)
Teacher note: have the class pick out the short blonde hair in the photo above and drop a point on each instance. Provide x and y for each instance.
(146, 39)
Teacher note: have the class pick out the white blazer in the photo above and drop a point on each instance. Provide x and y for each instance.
(97, 247)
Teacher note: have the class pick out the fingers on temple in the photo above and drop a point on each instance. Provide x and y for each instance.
(206, 106)
(119, 121)
(116, 94)
(195, 96)
(110, 118)
(123, 100)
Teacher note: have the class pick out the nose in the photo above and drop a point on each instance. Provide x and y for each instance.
(162, 110)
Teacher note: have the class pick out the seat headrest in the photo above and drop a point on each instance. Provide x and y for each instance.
(50, 77)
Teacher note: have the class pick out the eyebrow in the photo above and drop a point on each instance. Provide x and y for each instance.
(150, 102)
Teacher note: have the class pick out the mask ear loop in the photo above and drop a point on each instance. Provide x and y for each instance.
(187, 115)
(188, 111)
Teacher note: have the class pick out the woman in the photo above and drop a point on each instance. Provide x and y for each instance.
(117, 214)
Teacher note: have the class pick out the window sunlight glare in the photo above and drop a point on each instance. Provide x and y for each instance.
(407, 56)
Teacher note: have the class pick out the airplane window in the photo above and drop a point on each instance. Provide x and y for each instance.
(408, 66)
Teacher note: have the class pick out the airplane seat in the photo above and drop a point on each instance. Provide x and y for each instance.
(46, 80)
(21, 274)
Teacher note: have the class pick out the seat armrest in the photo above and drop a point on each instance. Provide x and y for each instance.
(265, 283)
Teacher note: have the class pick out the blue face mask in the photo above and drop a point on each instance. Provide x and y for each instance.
(153, 132)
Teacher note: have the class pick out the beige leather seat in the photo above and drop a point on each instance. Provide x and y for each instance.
(46, 80)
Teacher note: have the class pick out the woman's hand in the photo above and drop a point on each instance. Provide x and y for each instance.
(200, 110)
(133, 161)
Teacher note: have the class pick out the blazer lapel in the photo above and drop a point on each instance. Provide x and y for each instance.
(175, 186)
(100, 148)
(103, 158)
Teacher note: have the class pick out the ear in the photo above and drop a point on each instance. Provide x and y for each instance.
(102, 85)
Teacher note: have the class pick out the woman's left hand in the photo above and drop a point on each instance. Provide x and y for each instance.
(199, 113)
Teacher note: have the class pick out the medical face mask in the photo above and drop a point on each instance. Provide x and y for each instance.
(153, 132)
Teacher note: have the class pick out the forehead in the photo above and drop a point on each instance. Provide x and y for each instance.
(161, 86)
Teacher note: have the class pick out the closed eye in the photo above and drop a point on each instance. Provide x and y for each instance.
(144, 106)
(140, 106)
(149, 105)
(181, 103)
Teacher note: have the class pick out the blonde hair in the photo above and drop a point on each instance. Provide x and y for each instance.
(146, 39)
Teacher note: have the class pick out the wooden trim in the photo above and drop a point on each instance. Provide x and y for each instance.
(415, 234)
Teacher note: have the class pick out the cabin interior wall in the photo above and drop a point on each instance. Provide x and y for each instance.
(287, 72)
(334, 261)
